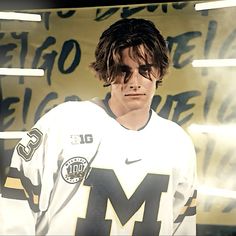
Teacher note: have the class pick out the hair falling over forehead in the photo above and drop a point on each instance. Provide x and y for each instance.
(139, 53)
(146, 44)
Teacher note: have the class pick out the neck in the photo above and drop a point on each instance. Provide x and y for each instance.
(131, 119)
(134, 120)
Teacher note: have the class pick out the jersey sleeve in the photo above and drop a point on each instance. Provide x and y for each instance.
(33, 164)
(186, 191)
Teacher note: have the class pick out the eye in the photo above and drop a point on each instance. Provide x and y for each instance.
(125, 73)
(147, 70)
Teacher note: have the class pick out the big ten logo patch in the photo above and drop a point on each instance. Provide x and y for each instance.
(74, 170)
(81, 138)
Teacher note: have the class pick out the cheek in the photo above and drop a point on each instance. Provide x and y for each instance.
(150, 86)
(120, 88)
(117, 89)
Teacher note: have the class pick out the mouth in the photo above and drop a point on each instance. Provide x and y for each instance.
(134, 94)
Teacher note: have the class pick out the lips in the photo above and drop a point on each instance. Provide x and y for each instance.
(135, 94)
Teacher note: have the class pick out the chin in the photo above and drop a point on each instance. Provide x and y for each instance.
(136, 105)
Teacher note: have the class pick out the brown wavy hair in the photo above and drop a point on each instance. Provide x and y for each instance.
(129, 33)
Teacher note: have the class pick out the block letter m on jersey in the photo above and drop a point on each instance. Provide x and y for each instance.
(105, 185)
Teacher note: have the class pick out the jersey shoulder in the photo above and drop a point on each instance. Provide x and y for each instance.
(165, 123)
(177, 139)
(72, 111)
(73, 107)
(170, 129)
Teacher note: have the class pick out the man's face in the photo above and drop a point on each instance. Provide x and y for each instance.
(135, 84)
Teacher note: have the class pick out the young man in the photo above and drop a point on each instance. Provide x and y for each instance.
(109, 167)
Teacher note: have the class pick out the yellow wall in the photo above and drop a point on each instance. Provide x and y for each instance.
(203, 96)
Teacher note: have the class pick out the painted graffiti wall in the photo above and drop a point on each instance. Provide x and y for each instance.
(63, 45)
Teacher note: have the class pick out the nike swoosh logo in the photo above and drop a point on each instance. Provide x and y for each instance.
(127, 162)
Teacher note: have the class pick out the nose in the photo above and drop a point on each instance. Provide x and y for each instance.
(135, 86)
(134, 81)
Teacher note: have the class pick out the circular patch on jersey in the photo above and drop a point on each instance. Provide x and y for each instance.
(74, 169)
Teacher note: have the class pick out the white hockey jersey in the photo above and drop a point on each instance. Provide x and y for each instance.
(79, 172)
